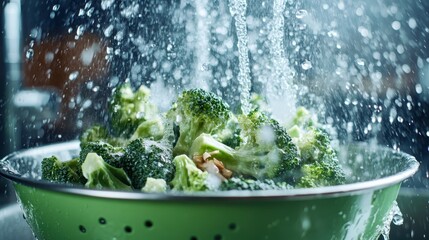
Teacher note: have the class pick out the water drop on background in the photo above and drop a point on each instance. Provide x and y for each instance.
(301, 13)
(306, 65)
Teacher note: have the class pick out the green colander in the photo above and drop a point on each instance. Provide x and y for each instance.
(358, 210)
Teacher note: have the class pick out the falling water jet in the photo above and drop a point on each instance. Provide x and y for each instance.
(238, 9)
(202, 48)
(279, 90)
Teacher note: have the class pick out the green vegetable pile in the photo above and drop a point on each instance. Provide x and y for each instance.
(198, 145)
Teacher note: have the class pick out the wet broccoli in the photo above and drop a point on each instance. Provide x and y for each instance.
(100, 133)
(266, 152)
(155, 185)
(102, 175)
(197, 111)
(259, 103)
(54, 170)
(128, 109)
(240, 183)
(230, 135)
(112, 155)
(321, 173)
(95, 133)
(314, 144)
(153, 129)
(187, 176)
(320, 163)
(147, 158)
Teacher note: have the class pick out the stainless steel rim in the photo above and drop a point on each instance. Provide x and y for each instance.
(339, 190)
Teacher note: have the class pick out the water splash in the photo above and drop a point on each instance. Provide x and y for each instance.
(238, 9)
(395, 217)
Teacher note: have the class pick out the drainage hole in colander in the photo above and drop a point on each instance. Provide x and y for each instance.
(128, 229)
(102, 221)
(218, 237)
(232, 226)
(194, 238)
(82, 229)
(148, 223)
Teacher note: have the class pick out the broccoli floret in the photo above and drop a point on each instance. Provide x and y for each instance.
(99, 133)
(320, 163)
(128, 109)
(153, 129)
(101, 175)
(55, 170)
(197, 111)
(266, 152)
(187, 176)
(314, 144)
(147, 158)
(322, 173)
(240, 183)
(259, 103)
(155, 185)
(230, 135)
(94, 133)
(303, 118)
(112, 155)
(267, 146)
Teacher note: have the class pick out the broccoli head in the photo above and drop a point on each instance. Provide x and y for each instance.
(260, 162)
(197, 111)
(154, 185)
(314, 144)
(266, 149)
(147, 158)
(321, 173)
(94, 133)
(230, 135)
(259, 103)
(110, 154)
(303, 118)
(101, 175)
(240, 183)
(153, 129)
(100, 133)
(128, 109)
(55, 170)
(320, 163)
(187, 176)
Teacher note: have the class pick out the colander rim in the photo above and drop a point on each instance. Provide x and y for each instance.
(299, 193)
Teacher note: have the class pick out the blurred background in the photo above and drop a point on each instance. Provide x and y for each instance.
(363, 64)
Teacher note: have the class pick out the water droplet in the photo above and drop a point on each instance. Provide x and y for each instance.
(412, 23)
(360, 62)
(306, 65)
(300, 14)
(34, 33)
(205, 67)
(400, 48)
(73, 75)
(396, 25)
(56, 7)
(29, 53)
(105, 4)
(80, 29)
(406, 68)
(108, 31)
(400, 119)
